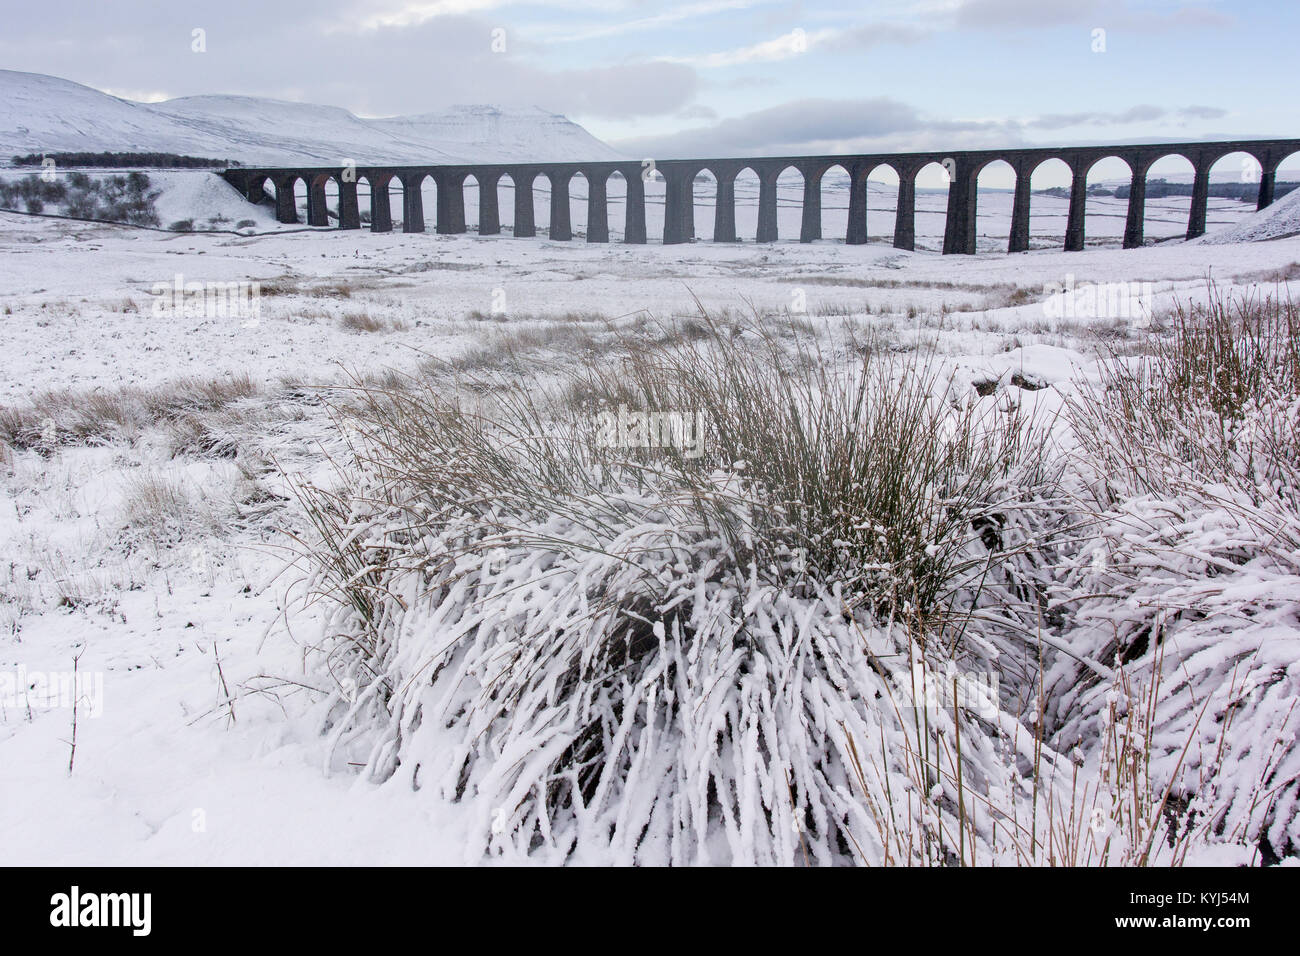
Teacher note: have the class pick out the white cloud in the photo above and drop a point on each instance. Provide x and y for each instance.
(668, 17)
(136, 96)
(795, 43)
(413, 14)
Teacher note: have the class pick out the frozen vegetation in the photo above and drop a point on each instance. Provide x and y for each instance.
(462, 549)
(880, 619)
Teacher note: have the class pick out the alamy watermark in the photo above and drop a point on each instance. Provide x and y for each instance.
(74, 908)
(208, 300)
(946, 688)
(1098, 300)
(51, 690)
(660, 429)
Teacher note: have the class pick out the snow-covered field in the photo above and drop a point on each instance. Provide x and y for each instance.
(153, 556)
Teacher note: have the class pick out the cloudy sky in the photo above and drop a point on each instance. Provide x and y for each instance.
(714, 77)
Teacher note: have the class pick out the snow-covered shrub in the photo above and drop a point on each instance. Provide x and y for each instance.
(636, 654)
(754, 648)
(1189, 574)
(125, 198)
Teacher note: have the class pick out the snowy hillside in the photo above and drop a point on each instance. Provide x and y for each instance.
(479, 131)
(47, 114)
(1277, 221)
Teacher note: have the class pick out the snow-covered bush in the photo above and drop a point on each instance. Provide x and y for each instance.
(1189, 576)
(755, 641)
(640, 655)
(124, 198)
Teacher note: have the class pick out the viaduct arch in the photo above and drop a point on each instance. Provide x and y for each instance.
(679, 175)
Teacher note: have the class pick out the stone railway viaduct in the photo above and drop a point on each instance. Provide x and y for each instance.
(679, 176)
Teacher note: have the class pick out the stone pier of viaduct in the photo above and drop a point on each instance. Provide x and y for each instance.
(679, 176)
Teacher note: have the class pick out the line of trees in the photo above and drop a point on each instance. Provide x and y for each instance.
(119, 160)
(1246, 192)
(1159, 188)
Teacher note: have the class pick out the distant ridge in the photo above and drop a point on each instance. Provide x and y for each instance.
(40, 114)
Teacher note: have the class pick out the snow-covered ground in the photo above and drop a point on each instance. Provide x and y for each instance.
(59, 277)
(177, 619)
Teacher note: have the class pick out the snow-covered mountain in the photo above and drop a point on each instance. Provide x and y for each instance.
(44, 114)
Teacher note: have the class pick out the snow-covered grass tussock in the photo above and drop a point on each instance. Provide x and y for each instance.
(1191, 571)
(189, 407)
(861, 619)
(666, 657)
